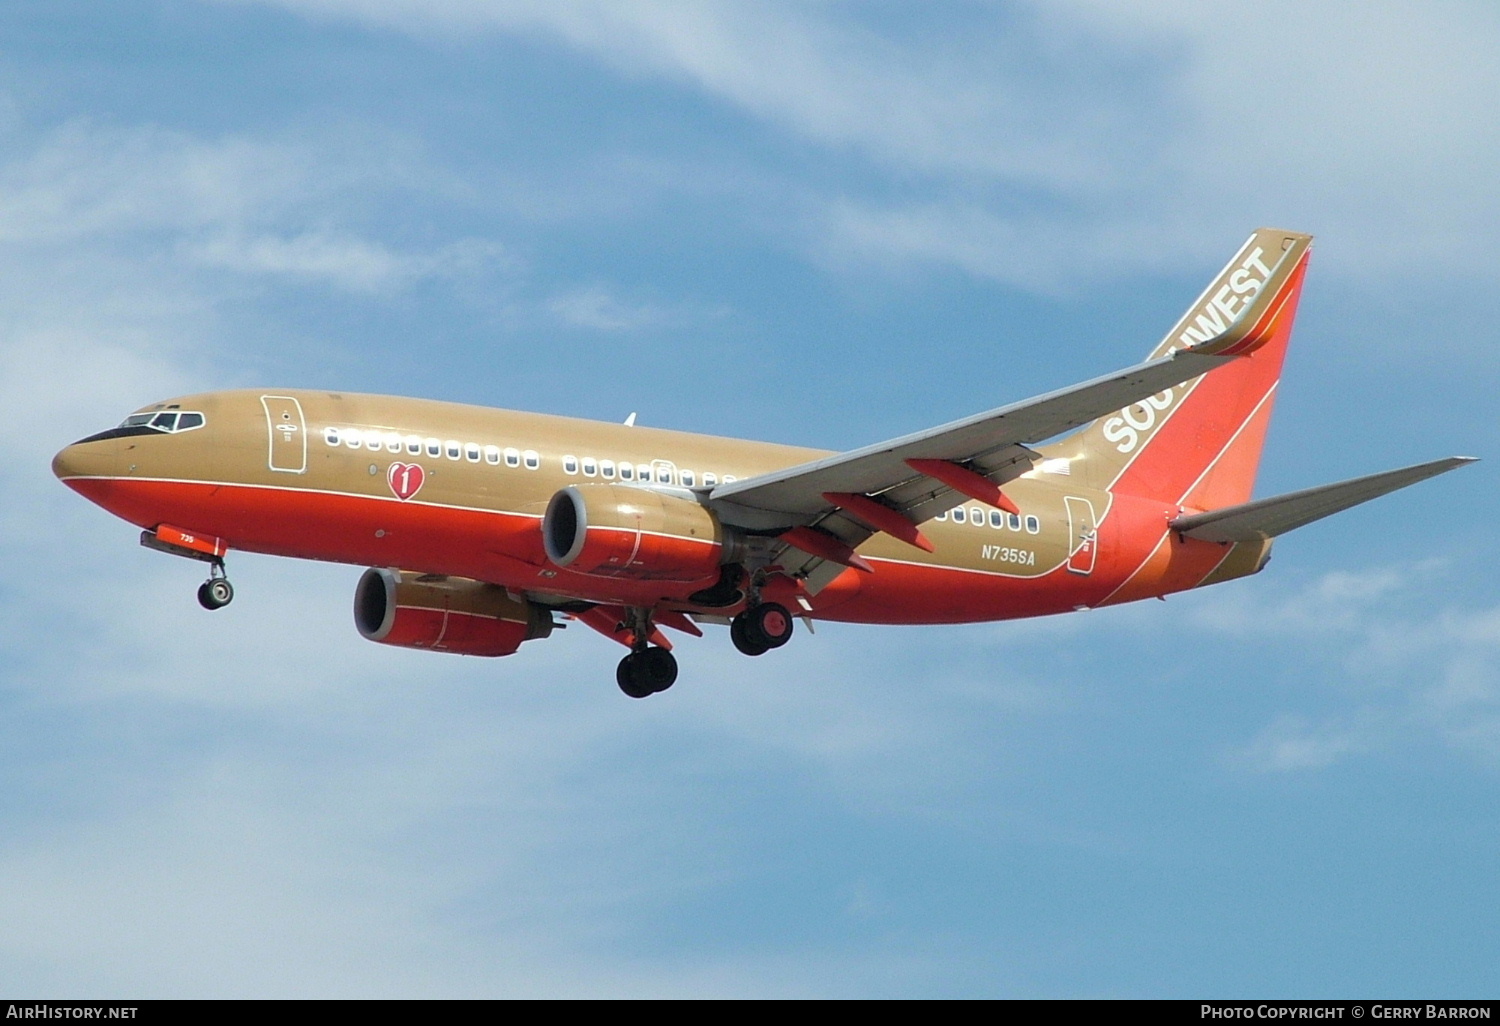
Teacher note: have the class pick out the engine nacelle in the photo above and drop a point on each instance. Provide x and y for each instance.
(444, 614)
(620, 531)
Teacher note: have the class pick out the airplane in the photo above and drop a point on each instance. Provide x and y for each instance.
(486, 528)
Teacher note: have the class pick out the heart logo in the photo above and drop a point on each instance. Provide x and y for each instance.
(405, 479)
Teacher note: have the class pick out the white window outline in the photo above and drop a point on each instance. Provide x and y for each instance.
(353, 437)
(512, 457)
(331, 435)
(688, 477)
(590, 467)
(471, 452)
(413, 445)
(570, 465)
(1033, 524)
(709, 479)
(1014, 521)
(492, 455)
(435, 448)
(627, 471)
(607, 469)
(997, 519)
(532, 459)
(453, 450)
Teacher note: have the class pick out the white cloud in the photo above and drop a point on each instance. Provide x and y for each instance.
(596, 307)
(1404, 670)
(1088, 137)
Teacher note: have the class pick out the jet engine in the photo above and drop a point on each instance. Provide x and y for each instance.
(445, 614)
(619, 531)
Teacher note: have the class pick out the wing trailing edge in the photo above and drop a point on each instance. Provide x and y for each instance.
(1267, 518)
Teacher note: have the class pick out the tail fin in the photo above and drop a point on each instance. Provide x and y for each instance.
(1198, 444)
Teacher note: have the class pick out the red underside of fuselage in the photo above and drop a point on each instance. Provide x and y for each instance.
(506, 549)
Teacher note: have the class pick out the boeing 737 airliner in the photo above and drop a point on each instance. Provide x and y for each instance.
(484, 526)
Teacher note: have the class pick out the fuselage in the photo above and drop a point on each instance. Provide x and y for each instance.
(443, 488)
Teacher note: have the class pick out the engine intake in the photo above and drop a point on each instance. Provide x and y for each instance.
(444, 614)
(620, 531)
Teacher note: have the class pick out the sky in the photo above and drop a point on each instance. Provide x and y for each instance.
(819, 223)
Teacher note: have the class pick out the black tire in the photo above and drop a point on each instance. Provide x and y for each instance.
(215, 593)
(631, 679)
(770, 622)
(658, 668)
(740, 634)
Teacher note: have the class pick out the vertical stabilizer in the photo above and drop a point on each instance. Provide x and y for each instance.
(1198, 444)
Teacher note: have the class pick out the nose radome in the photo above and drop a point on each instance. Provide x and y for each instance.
(65, 463)
(86, 459)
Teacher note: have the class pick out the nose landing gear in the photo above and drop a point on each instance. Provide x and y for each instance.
(216, 592)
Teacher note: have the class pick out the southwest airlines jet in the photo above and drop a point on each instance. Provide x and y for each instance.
(483, 526)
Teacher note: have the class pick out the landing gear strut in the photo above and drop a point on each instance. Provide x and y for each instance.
(216, 592)
(761, 628)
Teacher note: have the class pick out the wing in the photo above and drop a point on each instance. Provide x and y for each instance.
(1267, 518)
(829, 506)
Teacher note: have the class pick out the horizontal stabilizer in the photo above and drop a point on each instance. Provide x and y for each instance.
(1267, 518)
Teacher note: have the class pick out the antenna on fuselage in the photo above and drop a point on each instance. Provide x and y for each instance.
(630, 420)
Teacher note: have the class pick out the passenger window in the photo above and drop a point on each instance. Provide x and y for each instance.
(958, 515)
(532, 459)
(413, 445)
(687, 478)
(570, 464)
(188, 421)
(434, 447)
(492, 455)
(729, 477)
(941, 516)
(393, 442)
(471, 452)
(455, 449)
(512, 458)
(976, 516)
(1033, 525)
(643, 473)
(352, 438)
(607, 470)
(627, 472)
(1015, 521)
(331, 435)
(997, 519)
(709, 480)
(590, 466)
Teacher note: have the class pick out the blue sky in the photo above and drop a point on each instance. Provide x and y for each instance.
(819, 223)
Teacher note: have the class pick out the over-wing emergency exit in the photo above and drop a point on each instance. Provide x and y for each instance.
(487, 528)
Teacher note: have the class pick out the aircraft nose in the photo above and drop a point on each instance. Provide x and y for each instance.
(86, 459)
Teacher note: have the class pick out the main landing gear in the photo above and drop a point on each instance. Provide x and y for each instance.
(648, 668)
(216, 592)
(761, 628)
(646, 671)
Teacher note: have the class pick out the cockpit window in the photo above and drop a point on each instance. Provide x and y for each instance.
(168, 422)
(164, 423)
